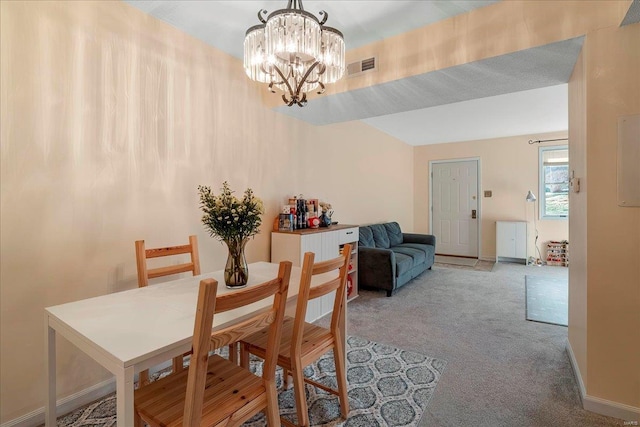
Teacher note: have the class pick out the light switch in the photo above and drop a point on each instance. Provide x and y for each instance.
(487, 193)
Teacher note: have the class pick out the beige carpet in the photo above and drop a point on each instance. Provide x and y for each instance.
(468, 262)
(502, 370)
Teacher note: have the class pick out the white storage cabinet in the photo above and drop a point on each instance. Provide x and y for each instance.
(326, 243)
(511, 241)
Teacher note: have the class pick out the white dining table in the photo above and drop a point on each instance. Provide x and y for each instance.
(127, 332)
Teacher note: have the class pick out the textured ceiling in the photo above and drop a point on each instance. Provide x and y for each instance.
(223, 23)
(528, 87)
(519, 113)
(633, 14)
(527, 69)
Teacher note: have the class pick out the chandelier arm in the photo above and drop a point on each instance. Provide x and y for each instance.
(321, 91)
(284, 79)
(304, 78)
(325, 17)
(260, 18)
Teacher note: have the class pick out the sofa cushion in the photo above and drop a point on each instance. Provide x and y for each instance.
(366, 237)
(380, 236)
(428, 250)
(394, 233)
(404, 263)
(418, 255)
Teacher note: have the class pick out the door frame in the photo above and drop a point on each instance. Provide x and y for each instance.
(479, 190)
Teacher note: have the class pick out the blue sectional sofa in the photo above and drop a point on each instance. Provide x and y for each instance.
(389, 258)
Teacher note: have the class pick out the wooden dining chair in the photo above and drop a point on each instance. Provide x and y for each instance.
(145, 273)
(215, 391)
(303, 343)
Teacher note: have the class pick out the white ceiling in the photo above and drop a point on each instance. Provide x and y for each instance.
(515, 94)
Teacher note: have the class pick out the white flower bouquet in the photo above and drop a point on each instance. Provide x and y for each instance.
(228, 217)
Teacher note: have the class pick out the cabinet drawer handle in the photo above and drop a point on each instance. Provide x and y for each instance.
(349, 232)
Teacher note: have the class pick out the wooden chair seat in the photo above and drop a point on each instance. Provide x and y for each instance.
(228, 389)
(315, 342)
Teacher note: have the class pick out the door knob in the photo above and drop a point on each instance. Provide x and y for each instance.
(473, 213)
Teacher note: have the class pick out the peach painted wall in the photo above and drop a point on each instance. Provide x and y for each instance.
(509, 168)
(611, 69)
(372, 190)
(110, 120)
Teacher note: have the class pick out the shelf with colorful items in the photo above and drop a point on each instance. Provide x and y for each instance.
(301, 213)
(352, 278)
(558, 253)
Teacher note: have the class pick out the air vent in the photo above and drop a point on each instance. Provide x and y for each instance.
(359, 67)
(368, 64)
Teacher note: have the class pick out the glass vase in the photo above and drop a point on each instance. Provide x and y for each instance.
(236, 272)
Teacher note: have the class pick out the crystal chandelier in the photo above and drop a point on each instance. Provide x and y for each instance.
(294, 52)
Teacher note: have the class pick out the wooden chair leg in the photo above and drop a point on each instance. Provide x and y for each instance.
(272, 410)
(287, 379)
(233, 353)
(178, 364)
(143, 378)
(137, 420)
(301, 396)
(341, 378)
(244, 356)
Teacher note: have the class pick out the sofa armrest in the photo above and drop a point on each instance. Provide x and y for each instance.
(426, 239)
(376, 267)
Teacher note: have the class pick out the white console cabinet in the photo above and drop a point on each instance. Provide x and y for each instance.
(511, 241)
(326, 243)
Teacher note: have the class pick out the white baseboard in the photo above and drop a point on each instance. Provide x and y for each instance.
(66, 404)
(598, 405)
(74, 401)
(611, 409)
(576, 372)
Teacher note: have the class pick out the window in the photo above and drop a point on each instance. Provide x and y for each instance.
(554, 182)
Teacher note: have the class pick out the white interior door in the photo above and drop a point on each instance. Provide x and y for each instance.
(454, 198)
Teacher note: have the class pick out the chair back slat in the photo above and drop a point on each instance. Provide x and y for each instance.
(325, 288)
(167, 271)
(172, 250)
(328, 265)
(246, 296)
(242, 330)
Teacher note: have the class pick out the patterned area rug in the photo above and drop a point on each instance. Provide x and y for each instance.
(387, 387)
(547, 299)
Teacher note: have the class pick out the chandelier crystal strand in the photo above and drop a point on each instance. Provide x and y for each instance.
(294, 52)
(332, 54)
(254, 54)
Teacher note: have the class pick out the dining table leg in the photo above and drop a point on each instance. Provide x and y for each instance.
(50, 410)
(124, 397)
